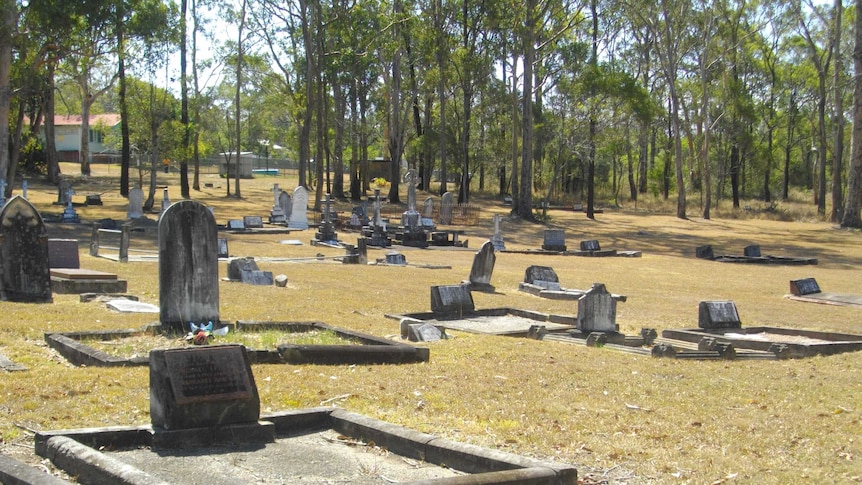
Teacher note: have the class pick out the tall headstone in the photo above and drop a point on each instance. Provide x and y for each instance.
(446, 205)
(497, 238)
(597, 310)
(286, 204)
(555, 240)
(26, 272)
(326, 230)
(483, 267)
(428, 208)
(276, 215)
(410, 218)
(136, 203)
(379, 235)
(188, 266)
(64, 191)
(298, 216)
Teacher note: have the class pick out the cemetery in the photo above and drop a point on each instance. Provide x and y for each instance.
(752, 255)
(807, 290)
(592, 392)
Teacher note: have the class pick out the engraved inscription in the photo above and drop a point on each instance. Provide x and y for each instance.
(208, 374)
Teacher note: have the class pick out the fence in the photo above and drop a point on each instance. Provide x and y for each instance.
(122, 248)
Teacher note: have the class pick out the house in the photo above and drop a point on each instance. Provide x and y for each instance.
(67, 136)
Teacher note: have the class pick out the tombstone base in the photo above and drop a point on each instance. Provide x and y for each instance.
(482, 287)
(255, 432)
(66, 286)
(417, 239)
(554, 247)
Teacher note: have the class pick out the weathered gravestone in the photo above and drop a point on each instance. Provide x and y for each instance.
(64, 192)
(597, 310)
(590, 245)
(298, 216)
(751, 251)
(555, 240)
(394, 257)
(805, 286)
(326, 229)
(236, 224)
(718, 314)
(286, 204)
(136, 203)
(497, 238)
(26, 272)
(424, 332)
(252, 222)
(203, 387)
(63, 253)
(222, 248)
(704, 252)
(166, 202)
(188, 266)
(276, 215)
(542, 276)
(483, 267)
(428, 208)
(455, 299)
(257, 277)
(236, 266)
(446, 205)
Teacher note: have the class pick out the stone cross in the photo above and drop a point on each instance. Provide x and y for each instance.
(276, 192)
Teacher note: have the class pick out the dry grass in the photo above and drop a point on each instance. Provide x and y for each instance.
(651, 420)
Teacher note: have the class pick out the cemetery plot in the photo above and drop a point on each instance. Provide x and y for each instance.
(272, 342)
(510, 322)
(751, 255)
(783, 342)
(317, 445)
(555, 244)
(808, 290)
(543, 282)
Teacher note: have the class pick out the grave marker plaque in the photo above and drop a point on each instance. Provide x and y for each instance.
(805, 286)
(718, 314)
(202, 387)
(252, 222)
(451, 299)
(26, 274)
(63, 253)
(236, 224)
(591, 245)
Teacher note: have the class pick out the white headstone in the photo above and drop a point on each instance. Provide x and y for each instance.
(446, 203)
(136, 203)
(298, 216)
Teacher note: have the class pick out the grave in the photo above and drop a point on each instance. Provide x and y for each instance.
(497, 238)
(136, 203)
(376, 232)
(555, 240)
(166, 202)
(252, 222)
(77, 281)
(276, 215)
(417, 331)
(597, 310)
(63, 253)
(223, 252)
(298, 217)
(26, 274)
(411, 232)
(752, 255)
(64, 192)
(451, 299)
(69, 214)
(326, 231)
(482, 269)
(542, 281)
(188, 266)
(446, 205)
(807, 290)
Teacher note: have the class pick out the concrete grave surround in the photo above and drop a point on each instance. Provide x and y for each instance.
(597, 310)
(136, 203)
(446, 204)
(298, 216)
(483, 268)
(188, 266)
(26, 275)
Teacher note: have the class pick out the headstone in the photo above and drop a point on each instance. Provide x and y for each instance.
(483, 267)
(751, 251)
(805, 286)
(411, 217)
(326, 230)
(24, 185)
(166, 202)
(136, 203)
(63, 253)
(2, 192)
(26, 273)
(236, 224)
(540, 273)
(188, 266)
(252, 222)
(446, 205)
(64, 192)
(286, 204)
(69, 214)
(424, 332)
(428, 208)
(202, 387)
(497, 238)
(718, 314)
(298, 216)
(704, 252)
(451, 299)
(257, 277)
(591, 245)
(555, 240)
(379, 235)
(597, 310)
(222, 248)
(236, 266)
(395, 257)
(276, 215)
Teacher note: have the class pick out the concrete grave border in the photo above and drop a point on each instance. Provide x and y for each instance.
(373, 350)
(836, 343)
(552, 323)
(77, 450)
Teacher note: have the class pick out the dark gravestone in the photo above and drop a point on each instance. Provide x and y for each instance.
(752, 251)
(805, 286)
(555, 240)
(222, 248)
(396, 258)
(188, 266)
(236, 266)
(540, 273)
(597, 310)
(202, 387)
(704, 252)
(257, 277)
(26, 274)
(483, 267)
(591, 245)
(63, 253)
(424, 332)
(718, 314)
(451, 299)
(64, 192)
(235, 224)
(285, 203)
(252, 222)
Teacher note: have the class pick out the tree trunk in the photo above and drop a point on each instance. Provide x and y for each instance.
(838, 148)
(525, 204)
(853, 204)
(125, 145)
(184, 105)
